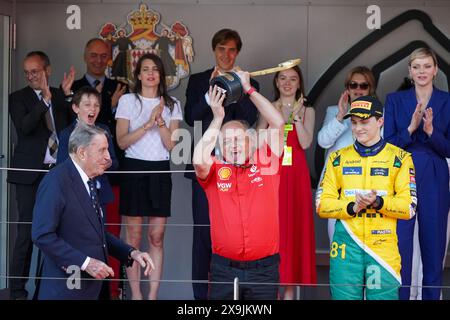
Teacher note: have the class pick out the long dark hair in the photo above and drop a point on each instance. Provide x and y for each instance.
(162, 87)
(300, 91)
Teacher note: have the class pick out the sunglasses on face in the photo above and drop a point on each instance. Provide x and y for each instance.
(354, 85)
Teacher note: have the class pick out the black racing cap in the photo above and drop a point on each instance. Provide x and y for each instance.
(365, 107)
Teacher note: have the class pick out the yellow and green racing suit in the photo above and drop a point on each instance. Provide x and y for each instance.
(364, 253)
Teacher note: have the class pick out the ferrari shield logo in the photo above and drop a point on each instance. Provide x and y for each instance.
(143, 33)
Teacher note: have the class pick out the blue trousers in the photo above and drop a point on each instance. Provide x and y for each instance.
(432, 213)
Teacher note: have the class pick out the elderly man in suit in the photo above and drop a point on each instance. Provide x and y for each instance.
(39, 112)
(226, 45)
(68, 223)
(96, 56)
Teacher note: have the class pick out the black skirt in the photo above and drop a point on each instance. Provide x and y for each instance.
(145, 194)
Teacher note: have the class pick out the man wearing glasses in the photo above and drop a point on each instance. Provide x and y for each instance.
(39, 112)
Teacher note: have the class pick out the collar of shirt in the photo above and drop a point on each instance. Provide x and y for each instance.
(364, 151)
(83, 175)
(38, 93)
(91, 79)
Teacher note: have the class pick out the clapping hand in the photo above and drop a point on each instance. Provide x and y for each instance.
(298, 108)
(362, 201)
(157, 112)
(43, 85)
(416, 119)
(68, 80)
(428, 121)
(120, 90)
(342, 105)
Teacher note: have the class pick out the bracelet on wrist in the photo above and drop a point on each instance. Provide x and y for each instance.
(161, 124)
(250, 91)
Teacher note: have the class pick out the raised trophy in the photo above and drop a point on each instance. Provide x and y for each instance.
(230, 83)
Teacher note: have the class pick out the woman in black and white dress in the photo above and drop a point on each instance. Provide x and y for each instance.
(146, 120)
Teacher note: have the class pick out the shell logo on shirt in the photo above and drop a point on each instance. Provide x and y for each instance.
(224, 173)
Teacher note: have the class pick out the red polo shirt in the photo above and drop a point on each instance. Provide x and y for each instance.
(243, 207)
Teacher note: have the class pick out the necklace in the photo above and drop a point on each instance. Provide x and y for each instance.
(288, 105)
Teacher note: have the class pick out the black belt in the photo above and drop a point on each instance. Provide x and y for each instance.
(48, 166)
(252, 264)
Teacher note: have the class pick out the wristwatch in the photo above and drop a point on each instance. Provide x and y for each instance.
(69, 97)
(130, 259)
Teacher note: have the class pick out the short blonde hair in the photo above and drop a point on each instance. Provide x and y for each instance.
(422, 53)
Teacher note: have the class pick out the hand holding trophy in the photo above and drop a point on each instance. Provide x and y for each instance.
(230, 83)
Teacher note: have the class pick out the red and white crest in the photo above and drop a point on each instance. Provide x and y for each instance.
(144, 33)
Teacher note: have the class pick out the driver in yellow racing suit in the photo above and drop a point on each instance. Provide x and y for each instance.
(367, 186)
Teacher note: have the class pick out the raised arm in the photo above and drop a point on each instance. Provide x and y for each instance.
(202, 152)
(304, 121)
(333, 125)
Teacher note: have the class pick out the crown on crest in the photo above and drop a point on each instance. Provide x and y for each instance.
(143, 18)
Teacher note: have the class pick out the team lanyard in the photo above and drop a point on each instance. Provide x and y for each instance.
(287, 154)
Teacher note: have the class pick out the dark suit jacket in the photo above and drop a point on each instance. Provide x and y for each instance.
(28, 115)
(105, 192)
(67, 229)
(197, 109)
(106, 116)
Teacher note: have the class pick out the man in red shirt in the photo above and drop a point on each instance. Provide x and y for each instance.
(242, 192)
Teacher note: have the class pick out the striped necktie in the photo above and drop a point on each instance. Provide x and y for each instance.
(53, 139)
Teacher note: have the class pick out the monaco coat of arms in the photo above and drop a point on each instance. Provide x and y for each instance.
(144, 33)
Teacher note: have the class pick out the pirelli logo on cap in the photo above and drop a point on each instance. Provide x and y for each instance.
(224, 173)
(366, 105)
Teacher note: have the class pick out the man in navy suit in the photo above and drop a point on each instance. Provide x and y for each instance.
(97, 53)
(226, 45)
(68, 224)
(39, 113)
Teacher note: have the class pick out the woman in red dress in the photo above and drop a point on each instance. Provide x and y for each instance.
(297, 241)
